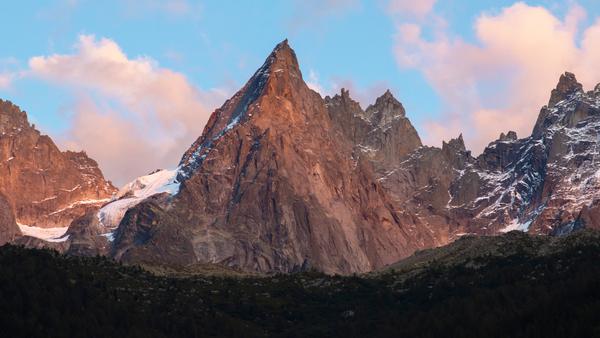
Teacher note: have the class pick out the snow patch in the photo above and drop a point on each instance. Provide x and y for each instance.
(55, 235)
(162, 181)
(516, 225)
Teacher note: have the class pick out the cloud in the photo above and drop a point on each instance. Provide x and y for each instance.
(309, 13)
(364, 95)
(411, 8)
(131, 115)
(5, 80)
(501, 80)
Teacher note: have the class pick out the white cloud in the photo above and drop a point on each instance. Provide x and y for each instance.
(500, 81)
(130, 114)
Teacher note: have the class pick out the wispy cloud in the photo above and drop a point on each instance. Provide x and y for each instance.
(129, 113)
(313, 13)
(364, 95)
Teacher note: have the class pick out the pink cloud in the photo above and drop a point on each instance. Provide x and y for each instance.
(364, 95)
(130, 114)
(5, 80)
(501, 81)
(411, 8)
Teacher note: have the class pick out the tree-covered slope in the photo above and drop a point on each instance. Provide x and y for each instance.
(502, 293)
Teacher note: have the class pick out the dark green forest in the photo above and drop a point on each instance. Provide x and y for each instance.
(45, 294)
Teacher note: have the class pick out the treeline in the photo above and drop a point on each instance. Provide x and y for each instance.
(44, 294)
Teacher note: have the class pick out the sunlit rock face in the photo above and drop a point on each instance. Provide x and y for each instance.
(46, 187)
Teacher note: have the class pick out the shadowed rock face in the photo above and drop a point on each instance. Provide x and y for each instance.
(8, 227)
(44, 186)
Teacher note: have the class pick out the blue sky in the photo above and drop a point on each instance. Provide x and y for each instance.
(217, 45)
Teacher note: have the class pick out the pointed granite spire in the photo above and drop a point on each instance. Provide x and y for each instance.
(385, 109)
(567, 85)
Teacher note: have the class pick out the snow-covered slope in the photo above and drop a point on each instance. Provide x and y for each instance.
(161, 181)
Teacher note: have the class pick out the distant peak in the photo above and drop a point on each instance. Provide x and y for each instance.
(455, 144)
(567, 85)
(345, 93)
(283, 58)
(510, 136)
(13, 116)
(385, 108)
(283, 44)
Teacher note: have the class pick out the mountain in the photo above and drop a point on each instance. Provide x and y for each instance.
(45, 188)
(274, 185)
(546, 183)
(283, 180)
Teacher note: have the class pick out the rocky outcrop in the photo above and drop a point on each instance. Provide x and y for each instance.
(44, 186)
(382, 132)
(9, 230)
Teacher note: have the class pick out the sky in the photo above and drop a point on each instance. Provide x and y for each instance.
(132, 82)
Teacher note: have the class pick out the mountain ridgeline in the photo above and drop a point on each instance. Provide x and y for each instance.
(283, 180)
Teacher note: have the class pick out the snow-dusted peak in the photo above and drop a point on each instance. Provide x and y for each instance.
(280, 66)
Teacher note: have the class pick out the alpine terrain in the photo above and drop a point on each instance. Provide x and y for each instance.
(283, 180)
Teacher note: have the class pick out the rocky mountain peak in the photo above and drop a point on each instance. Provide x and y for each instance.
(385, 109)
(283, 58)
(12, 119)
(510, 136)
(567, 85)
(45, 186)
(455, 144)
(279, 76)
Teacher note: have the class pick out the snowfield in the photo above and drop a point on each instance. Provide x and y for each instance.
(162, 181)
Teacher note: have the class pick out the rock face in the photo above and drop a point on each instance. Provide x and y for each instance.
(44, 186)
(546, 183)
(9, 230)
